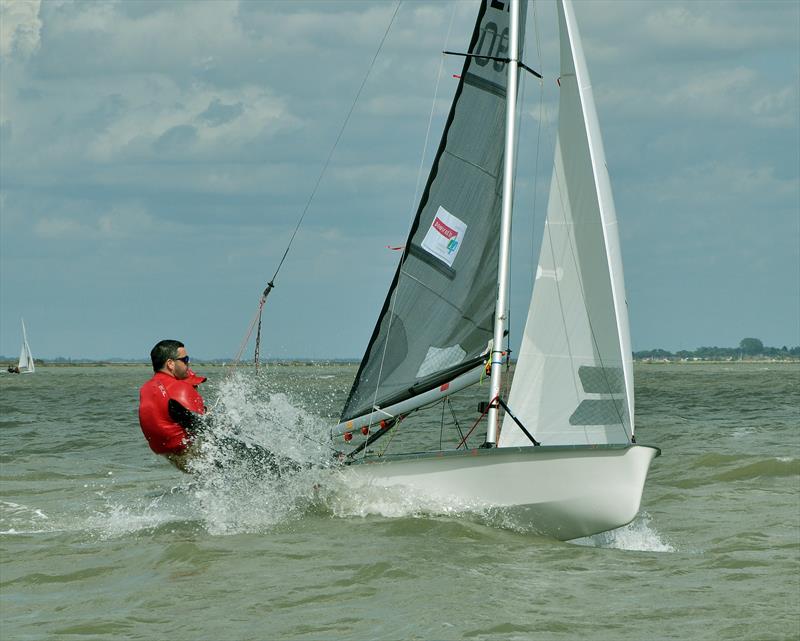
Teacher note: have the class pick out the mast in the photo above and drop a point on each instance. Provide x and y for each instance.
(501, 309)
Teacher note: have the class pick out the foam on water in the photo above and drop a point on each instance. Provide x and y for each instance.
(348, 496)
(244, 489)
(248, 412)
(638, 535)
(122, 520)
(22, 519)
(233, 490)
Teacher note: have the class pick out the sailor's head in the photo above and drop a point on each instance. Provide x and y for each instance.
(169, 356)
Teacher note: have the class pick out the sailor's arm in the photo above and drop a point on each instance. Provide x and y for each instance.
(186, 406)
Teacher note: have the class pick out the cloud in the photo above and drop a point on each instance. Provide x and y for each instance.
(139, 119)
(126, 221)
(131, 127)
(703, 26)
(720, 185)
(721, 63)
(778, 108)
(57, 228)
(20, 28)
(220, 114)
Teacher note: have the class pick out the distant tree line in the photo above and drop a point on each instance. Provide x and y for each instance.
(748, 348)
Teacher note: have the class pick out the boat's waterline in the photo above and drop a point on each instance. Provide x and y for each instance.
(565, 492)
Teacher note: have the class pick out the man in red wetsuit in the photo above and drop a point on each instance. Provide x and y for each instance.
(170, 411)
(170, 405)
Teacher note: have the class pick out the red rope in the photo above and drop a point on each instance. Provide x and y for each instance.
(257, 317)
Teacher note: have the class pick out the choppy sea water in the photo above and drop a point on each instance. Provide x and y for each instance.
(100, 539)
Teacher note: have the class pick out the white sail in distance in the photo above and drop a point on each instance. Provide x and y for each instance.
(25, 363)
(574, 378)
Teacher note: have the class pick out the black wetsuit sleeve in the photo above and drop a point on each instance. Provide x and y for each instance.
(187, 419)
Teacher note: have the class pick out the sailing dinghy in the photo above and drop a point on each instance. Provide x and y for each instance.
(25, 364)
(560, 456)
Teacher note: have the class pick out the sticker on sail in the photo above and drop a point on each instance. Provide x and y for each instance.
(445, 236)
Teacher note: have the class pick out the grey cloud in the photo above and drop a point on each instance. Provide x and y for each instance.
(211, 121)
(176, 139)
(218, 113)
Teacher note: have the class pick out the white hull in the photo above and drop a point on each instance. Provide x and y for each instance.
(565, 492)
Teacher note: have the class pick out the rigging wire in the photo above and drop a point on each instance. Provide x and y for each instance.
(271, 283)
(392, 435)
(537, 156)
(433, 108)
(441, 426)
(336, 142)
(538, 131)
(416, 191)
(455, 418)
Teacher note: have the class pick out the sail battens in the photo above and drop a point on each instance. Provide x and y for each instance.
(432, 291)
(466, 161)
(485, 85)
(418, 252)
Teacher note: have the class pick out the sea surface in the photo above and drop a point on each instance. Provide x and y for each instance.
(101, 539)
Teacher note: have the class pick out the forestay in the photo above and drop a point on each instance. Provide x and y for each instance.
(574, 379)
(436, 322)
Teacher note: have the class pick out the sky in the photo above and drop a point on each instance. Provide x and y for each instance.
(156, 156)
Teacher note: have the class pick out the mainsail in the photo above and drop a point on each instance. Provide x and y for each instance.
(574, 379)
(437, 320)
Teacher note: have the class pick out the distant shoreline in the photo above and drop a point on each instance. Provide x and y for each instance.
(43, 362)
(750, 350)
(337, 363)
(711, 361)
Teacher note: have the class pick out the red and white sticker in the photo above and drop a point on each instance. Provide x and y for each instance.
(445, 236)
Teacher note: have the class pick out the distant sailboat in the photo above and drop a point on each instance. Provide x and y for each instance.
(26, 364)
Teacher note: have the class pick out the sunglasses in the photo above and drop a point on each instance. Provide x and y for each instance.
(185, 359)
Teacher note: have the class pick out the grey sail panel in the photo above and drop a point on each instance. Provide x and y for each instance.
(437, 319)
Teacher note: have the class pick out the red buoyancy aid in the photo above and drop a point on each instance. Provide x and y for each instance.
(163, 434)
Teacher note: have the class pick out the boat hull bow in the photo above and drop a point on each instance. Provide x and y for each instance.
(561, 491)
